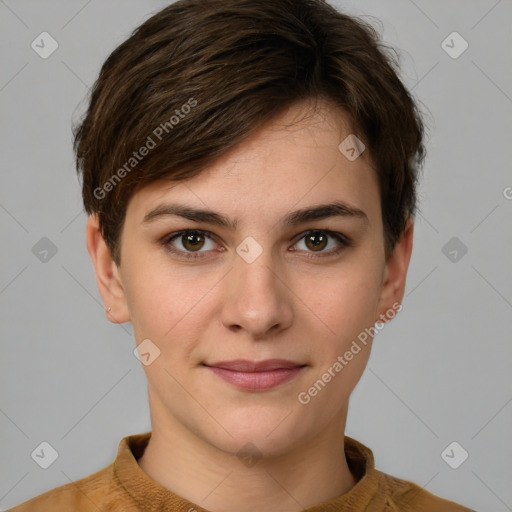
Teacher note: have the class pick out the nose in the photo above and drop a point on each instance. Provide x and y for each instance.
(257, 298)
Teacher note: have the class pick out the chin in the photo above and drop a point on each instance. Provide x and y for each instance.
(267, 432)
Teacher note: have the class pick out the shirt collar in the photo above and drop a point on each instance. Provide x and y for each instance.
(150, 496)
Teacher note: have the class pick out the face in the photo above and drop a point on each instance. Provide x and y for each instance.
(247, 315)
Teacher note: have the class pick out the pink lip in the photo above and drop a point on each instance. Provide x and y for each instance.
(254, 375)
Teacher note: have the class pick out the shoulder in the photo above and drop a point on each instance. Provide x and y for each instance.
(405, 496)
(89, 494)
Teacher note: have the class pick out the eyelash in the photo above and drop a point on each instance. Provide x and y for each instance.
(343, 240)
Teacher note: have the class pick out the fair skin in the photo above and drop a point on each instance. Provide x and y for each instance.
(296, 301)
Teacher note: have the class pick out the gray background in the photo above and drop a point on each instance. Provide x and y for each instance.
(440, 372)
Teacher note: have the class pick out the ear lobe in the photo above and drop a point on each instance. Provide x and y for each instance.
(108, 277)
(395, 274)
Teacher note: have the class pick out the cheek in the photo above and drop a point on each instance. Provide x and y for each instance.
(347, 309)
(166, 302)
(346, 301)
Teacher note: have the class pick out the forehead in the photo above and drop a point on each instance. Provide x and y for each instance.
(293, 161)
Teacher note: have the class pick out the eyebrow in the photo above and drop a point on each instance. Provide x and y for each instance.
(317, 212)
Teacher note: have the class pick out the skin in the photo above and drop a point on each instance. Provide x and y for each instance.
(282, 305)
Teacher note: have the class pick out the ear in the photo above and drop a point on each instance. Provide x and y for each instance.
(108, 277)
(395, 273)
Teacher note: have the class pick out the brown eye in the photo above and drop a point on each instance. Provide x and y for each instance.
(189, 243)
(192, 241)
(316, 241)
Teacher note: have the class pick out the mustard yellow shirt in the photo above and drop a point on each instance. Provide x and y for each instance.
(123, 486)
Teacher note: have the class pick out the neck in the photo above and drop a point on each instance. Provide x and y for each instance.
(310, 473)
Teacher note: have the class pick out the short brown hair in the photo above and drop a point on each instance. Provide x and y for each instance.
(221, 69)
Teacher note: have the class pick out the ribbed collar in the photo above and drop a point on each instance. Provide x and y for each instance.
(150, 496)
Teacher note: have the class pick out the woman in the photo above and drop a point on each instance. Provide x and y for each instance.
(249, 171)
